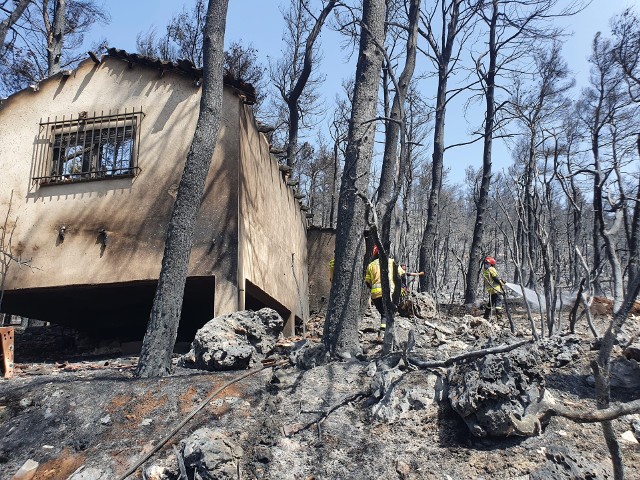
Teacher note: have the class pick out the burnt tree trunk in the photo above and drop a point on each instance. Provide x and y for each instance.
(162, 329)
(56, 37)
(443, 54)
(340, 334)
(602, 372)
(394, 165)
(483, 198)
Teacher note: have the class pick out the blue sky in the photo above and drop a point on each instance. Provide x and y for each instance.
(259, 22)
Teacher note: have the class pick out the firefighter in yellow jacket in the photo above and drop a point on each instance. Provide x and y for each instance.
(373, 281)
(493, 283)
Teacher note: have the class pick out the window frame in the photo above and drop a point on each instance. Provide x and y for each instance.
(99, 138)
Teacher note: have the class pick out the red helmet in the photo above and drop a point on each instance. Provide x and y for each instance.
(374, 252)
(490, 260)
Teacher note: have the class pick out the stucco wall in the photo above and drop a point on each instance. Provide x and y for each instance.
(134, 211)
(321, 246)
(273, 246)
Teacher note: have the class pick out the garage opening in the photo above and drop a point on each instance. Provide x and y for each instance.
(119, 310)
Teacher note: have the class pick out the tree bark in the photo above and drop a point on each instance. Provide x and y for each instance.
(481, 204)
(393, 165)
(340, 334)
(162, 329)
(56, 37)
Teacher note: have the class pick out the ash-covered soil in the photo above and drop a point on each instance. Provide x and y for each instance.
(83, 416)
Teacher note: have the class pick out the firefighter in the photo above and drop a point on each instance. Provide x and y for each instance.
(404, 278)
(372, 279)
(493, 283)
(332, 263)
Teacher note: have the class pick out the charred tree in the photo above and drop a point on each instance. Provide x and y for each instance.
(340, 336)
(293, 96)
(394, 163)
(55, 34)
(489, 81)
(162, 329)
(512, 28)
(454, 18)
(49, 37)
(10, 21)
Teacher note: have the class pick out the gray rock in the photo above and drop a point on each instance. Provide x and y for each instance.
(419, 305)
(563, 464)
(628, 334)
(402, 327)
(632, 352)
(635, 428)
(211, 454)
(491, 390)
(235, 341)
(560, 350)
(307, 355)
(408, 396)
(625, 374)
(156, 472)
(563, 358)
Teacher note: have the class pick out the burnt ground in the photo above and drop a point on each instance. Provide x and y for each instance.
(75, 407)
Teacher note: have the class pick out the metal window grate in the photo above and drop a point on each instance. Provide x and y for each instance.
(82, 148)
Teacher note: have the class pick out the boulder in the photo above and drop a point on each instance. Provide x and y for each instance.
(211, 454)
(632, 352)
(307, 355)
(419, 305)
(560, 350)
(625, 373)
(234, 342)
(564, 464)
(492, 390)
(411, 396)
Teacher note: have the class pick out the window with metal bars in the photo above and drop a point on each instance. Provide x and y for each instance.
(99, 147)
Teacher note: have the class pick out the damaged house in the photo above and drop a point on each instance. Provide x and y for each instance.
(91, 160)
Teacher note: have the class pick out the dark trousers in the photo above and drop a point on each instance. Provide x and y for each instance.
(495, 301)
(377, 302)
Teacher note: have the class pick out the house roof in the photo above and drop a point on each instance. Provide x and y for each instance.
(184, 67)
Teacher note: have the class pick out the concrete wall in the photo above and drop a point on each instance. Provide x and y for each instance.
(321, 247)
(273, 245)
(134, 211)
(78, 280)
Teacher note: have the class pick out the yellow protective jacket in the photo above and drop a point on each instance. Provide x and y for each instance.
(332, 263)
(492, 280)
(372, 277)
